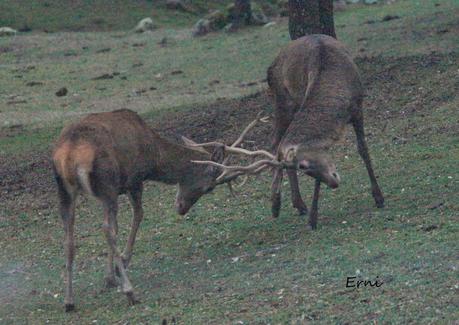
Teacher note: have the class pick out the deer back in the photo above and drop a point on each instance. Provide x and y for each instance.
(316, 83)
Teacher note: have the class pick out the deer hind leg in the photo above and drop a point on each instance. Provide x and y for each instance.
(110, 279)
(135, 197)
(67, 211)
(363, 151)
(110, 211)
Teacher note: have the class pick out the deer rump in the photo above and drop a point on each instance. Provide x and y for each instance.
(316, 86)
(103, 149)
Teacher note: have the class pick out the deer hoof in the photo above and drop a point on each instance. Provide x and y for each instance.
(110, 282)
(275, 205)
(69, 308)
(379, 198)
(302, 210)
(379, 202)
(131, 298)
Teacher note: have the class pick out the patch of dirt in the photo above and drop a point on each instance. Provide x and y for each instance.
(26, 181)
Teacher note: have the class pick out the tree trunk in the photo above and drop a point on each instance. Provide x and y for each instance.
(242, 13)
(326, 17)
(310, 17)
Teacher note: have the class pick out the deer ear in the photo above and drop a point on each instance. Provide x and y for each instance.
(290, 153)
(192, 144)
(218, 155)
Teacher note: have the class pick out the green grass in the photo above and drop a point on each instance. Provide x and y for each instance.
(215, 66)
(101, 15)
(186, 268)
(227, 261)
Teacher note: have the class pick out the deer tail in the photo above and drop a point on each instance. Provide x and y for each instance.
(73, 164)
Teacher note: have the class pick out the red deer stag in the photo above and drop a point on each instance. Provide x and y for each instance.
(317, 91)
(108, 154)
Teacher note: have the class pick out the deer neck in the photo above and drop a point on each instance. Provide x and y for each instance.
(172, 161)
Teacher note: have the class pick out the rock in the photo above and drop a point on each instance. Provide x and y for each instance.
(258, 17)
(103, 77)
(16, 101)
(141, 44)
(163, 42)
(34, 83)
(270, 24)
(230, 28)
(217, 20)
(390, 17)
(7, 31)
(62, 92)
(144, 25)
(202, 27)
(370, 2)
(176, 5)
(104, 50)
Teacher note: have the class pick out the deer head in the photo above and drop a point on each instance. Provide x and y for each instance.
(199, 179)
(314, 164)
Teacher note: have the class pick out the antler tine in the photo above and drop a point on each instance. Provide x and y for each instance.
(238, 142)
(233, 148)
(248, 128)
(247, 169)
(225, 178)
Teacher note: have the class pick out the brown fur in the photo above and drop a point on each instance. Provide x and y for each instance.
(317, 92)
(108, 154)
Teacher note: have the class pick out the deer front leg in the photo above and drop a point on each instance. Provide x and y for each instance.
(276, 188)
(315, 206)
(297, 201)
(110, 211)
(135, 198)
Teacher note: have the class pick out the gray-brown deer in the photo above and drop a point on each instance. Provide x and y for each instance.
(317, 92)
(108, 154)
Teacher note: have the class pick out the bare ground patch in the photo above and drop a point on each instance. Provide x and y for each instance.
(397, 88)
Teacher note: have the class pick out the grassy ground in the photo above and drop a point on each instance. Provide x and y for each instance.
(148, 77)
(227, 261)
(100, 15)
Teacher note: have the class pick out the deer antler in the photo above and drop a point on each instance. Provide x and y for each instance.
(230, 173)
(234, 147)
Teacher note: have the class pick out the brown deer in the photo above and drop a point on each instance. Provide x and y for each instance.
(108, 154)
(317, 91)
